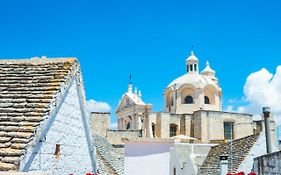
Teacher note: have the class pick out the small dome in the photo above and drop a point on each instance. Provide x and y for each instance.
(208, 71)
(192, 57)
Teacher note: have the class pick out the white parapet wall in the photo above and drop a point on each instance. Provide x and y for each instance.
(147, 158)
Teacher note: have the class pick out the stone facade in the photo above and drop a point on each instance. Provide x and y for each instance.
(162, 121)
(100, 123)
(207, 126)
(132, 111)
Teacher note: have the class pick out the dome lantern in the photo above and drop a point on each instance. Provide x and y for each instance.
(192, 63)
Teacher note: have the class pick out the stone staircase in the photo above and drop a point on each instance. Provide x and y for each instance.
(110, 161)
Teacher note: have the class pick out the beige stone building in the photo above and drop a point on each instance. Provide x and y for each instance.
(132, 110)
(100, 122)
(192, 107)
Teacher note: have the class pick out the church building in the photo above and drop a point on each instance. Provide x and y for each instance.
(192, 107)
(193, 91)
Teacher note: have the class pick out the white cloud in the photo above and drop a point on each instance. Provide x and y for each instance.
(262, 88)
(98, 106)
(229, 108)
(113, 126)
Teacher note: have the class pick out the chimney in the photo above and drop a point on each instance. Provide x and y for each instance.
(266, 115)
(223, 164)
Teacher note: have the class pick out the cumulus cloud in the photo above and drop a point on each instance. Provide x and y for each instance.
(98, 106)
(229, 108)
(113, 126)
(262, 88)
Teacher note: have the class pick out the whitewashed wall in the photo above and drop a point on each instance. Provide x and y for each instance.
(68, 131)
(258, 149)
(269, 164)
(147, 158)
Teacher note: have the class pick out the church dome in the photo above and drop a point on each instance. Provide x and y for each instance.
(193, 77)
(196, 80)
(193, 90)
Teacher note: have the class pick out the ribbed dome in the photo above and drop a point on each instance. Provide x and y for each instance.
(196, 80)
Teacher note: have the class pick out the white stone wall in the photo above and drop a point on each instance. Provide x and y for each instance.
(175, 164)
(68, 131)
(268, 164)
(149, 158)
(191, 156)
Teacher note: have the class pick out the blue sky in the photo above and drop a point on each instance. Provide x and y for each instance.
(148, 39)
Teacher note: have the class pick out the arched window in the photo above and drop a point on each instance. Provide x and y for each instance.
(207, 100)
(188, 100)
(128, 125)
(195, 67)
